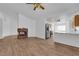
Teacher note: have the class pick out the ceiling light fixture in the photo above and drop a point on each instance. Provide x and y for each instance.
(37, 6)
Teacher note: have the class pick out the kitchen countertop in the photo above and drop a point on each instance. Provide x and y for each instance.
(67, 32)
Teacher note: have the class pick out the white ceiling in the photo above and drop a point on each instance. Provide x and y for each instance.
(52, 10)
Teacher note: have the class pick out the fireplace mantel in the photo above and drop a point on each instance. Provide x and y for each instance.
(22, 33)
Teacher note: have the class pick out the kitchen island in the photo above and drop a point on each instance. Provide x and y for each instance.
(68, 38)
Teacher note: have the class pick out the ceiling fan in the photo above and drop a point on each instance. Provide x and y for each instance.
(37, 6)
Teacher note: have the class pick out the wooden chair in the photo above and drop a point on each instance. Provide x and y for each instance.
(22, 33)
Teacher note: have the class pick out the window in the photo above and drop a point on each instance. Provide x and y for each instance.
(60, 27)
(77, 28)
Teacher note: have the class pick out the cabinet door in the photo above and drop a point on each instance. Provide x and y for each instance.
(77, 20)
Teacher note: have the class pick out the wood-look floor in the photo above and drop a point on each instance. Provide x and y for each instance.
(11, 46)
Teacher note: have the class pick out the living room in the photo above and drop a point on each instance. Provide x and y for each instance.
(22, 15)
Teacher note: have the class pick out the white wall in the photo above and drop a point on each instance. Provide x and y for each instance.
(8, 23)
(40, 28)
(27, 23)
(36, 28)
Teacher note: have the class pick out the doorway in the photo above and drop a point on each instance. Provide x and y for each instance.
(48, 31)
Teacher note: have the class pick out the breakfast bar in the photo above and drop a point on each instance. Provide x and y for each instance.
(68, 38)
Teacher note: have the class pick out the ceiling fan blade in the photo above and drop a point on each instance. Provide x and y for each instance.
(34, 8)
(29, 3)
(42, 7)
